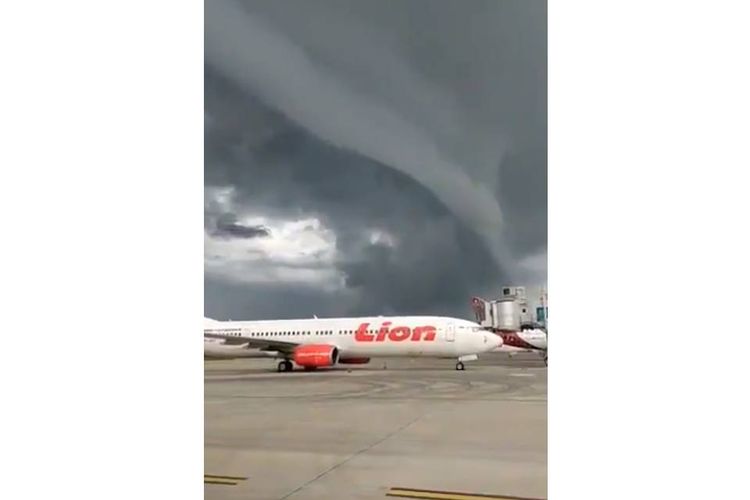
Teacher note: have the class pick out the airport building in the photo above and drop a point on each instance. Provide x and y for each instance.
(517, 307)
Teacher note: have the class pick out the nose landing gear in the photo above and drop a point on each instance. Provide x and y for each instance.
(460, 361)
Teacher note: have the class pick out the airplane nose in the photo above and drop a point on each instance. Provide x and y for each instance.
(493, 341)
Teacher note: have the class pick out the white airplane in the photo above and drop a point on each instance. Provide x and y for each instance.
(529, 338)
(523, 340)
(319, 342)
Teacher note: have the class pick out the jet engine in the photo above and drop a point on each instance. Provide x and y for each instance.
(316, 355)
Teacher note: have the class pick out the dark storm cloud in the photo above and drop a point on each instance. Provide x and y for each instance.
(228, 300)
(226, 226)
(436, 276)
(436, 264)
(471, 77)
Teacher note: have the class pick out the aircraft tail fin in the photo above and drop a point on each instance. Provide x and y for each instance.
(479, 306)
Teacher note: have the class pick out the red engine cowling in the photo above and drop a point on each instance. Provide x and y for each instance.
(316, 355)
(354, 361)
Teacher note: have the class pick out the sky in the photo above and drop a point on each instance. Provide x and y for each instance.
(367, 157)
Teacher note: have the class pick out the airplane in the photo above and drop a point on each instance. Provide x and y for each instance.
(528, 338)
(324, 342)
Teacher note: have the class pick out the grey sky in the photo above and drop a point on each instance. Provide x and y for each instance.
(372, 157)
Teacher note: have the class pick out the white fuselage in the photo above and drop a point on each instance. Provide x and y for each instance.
(367, 337)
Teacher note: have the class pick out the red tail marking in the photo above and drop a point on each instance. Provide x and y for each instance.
(477, 304)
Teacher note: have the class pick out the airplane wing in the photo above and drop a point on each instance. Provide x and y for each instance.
(255, 343)
(230, 341)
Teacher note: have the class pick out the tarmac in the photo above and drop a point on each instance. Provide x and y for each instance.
(405, 428)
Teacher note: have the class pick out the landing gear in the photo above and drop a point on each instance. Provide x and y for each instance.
(285, 366)
(468, 357)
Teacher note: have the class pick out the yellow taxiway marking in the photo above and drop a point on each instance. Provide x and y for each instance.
(447, 495)
(225, 480)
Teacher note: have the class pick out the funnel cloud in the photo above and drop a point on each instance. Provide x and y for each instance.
(412, 138)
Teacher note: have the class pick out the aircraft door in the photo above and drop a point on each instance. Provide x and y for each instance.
(450, 332)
